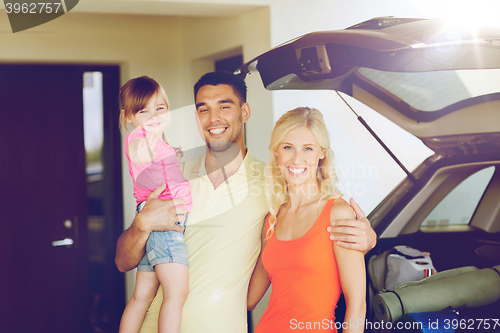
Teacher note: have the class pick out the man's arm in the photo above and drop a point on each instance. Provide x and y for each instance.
(157, 215)
(354, 234)
(259, 281)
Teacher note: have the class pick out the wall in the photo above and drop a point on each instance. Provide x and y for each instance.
(169, 49)
(141, 45)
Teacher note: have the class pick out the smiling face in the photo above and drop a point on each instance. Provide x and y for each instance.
(220, 117)
(153, 117)
(298, 156)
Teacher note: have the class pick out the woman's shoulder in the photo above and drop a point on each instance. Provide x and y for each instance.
(341, 210)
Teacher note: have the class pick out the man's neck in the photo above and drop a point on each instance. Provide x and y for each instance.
(222, 165)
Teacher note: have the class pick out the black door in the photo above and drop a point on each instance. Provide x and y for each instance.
(43, 195)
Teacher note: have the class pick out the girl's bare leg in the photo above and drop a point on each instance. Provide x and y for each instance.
(146, 285)
(174, 281)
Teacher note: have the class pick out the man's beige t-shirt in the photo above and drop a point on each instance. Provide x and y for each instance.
(223, 243)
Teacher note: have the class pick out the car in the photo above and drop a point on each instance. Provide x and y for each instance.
(439, 81)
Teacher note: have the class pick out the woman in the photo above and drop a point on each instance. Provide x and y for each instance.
(307, 270)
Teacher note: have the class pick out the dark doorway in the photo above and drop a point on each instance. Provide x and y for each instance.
(52, 283)
(229, 64)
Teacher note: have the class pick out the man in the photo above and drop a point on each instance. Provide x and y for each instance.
(224, 227)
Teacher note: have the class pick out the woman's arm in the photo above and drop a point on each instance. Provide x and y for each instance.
(351, 266)
(353, 233)
(259, 282)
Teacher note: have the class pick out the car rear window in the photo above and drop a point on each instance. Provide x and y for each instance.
(458, 206)
(434, 91)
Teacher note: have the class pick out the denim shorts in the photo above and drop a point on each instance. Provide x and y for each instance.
(163, 247)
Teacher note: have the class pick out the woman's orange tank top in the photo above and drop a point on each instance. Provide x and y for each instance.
(305, 281)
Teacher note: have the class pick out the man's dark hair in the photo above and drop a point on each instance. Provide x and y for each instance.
(215, 78)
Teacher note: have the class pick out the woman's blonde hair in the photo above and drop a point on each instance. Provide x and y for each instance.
(276, 187)
(135, 95)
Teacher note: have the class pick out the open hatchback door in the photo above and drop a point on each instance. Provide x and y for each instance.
(430, 77)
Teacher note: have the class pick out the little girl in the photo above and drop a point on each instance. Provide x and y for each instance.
(152, 163)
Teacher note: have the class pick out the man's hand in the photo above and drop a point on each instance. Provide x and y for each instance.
(161, 215)
(178, 152)
(354, 234)
(157, 215)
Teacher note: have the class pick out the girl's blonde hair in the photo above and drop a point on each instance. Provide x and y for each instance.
(276, 187)
(135, 96)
